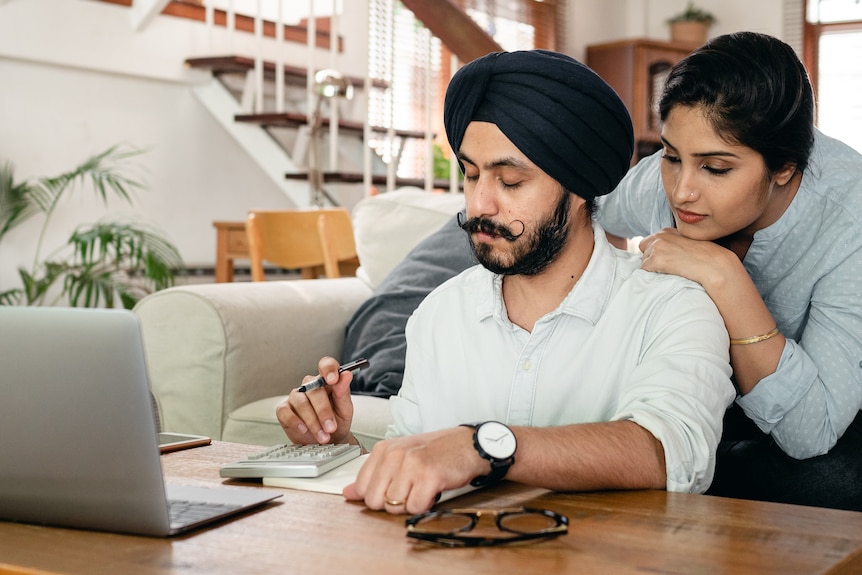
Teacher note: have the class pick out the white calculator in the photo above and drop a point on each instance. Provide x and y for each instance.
(292, 461)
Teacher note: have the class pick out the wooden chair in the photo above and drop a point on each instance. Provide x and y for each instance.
(308, 240)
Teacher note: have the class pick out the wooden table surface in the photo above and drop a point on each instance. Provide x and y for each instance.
(310, 533)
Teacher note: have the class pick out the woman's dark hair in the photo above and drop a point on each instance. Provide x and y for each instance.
(755, 92)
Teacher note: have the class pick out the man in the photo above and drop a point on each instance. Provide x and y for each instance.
(556, 362)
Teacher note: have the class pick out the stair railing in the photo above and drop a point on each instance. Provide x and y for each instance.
(253, 92)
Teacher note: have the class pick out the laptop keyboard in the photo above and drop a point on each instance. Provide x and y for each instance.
(184, 512)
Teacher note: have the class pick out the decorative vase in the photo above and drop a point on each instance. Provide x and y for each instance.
(689, 32)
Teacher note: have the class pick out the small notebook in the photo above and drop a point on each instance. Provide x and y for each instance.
(336, 480)
(330, 482)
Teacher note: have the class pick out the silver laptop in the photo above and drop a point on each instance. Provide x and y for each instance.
(78, 438)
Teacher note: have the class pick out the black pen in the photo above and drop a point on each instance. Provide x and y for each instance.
(355, 365)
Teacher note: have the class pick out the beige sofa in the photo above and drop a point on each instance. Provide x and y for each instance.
(221, 357)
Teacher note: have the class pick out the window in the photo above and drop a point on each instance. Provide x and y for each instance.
(834, 35)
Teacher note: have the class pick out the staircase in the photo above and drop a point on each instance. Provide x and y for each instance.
(230, 97)
(265, 104)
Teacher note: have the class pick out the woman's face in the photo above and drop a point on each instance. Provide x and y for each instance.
(714, 188)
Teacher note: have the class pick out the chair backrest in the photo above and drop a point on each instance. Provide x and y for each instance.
(300, 239)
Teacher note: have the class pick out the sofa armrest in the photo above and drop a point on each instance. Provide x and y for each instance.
(215, 347)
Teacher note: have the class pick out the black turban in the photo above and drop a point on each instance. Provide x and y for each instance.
(559, 113)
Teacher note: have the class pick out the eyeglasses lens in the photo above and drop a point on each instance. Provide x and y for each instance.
(527, 522)
(445, 523)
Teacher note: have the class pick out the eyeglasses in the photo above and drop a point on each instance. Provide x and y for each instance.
(449, 527)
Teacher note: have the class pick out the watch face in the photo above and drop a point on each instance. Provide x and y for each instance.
(496, 440)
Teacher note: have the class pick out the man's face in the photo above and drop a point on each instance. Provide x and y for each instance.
(517, 215)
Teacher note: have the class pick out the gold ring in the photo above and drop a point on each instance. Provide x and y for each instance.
(393, 502)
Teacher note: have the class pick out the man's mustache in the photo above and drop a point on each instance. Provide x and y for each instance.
(486, 226)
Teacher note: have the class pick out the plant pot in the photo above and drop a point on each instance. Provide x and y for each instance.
(689, 32)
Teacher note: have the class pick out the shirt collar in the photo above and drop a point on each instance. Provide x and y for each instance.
(587, 299)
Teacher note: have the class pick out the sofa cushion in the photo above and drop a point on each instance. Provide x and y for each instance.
(255, 423)
(387, 226)
(376, 329)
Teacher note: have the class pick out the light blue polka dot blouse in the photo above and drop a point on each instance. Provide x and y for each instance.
(808, 269)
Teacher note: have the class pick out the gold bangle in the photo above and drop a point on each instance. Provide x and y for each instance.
(754, 339)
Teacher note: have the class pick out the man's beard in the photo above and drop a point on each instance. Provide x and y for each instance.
(536, 251)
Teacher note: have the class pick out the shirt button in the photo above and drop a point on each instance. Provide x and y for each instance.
(527, 365)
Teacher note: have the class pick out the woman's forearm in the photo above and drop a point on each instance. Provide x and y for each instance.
(745, 317)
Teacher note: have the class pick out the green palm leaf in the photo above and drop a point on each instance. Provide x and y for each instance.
(15, 204)
(111, 261)
(125, 260)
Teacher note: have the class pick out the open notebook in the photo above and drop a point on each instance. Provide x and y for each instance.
(77, 433)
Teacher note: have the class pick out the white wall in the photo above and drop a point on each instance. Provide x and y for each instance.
(194, 171)
(75, 79)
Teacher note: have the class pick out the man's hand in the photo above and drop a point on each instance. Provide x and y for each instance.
(320, 415)
(406, 475)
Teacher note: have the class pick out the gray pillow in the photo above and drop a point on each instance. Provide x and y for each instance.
(376, 330)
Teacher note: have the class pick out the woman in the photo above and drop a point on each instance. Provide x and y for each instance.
(765, 212)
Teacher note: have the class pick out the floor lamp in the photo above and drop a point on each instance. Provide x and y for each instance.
(328, 85)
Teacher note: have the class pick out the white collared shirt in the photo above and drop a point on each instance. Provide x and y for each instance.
(625, 344)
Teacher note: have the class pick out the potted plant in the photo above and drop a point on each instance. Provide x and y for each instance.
(691, 25)
(102, 264)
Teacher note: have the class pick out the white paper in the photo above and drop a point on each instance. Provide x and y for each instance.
(336, 480)
(333, 481)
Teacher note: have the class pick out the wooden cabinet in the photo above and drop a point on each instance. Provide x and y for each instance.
(636, 69)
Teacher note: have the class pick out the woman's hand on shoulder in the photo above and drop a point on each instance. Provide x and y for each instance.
(669, 252)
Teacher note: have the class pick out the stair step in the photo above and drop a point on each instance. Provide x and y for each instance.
(295, 120)
(241, 64)
(376, 179)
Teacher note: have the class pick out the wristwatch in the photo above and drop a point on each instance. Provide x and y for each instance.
(496, 443)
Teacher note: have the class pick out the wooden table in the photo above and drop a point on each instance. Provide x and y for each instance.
(231, 244)
(310, 533)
